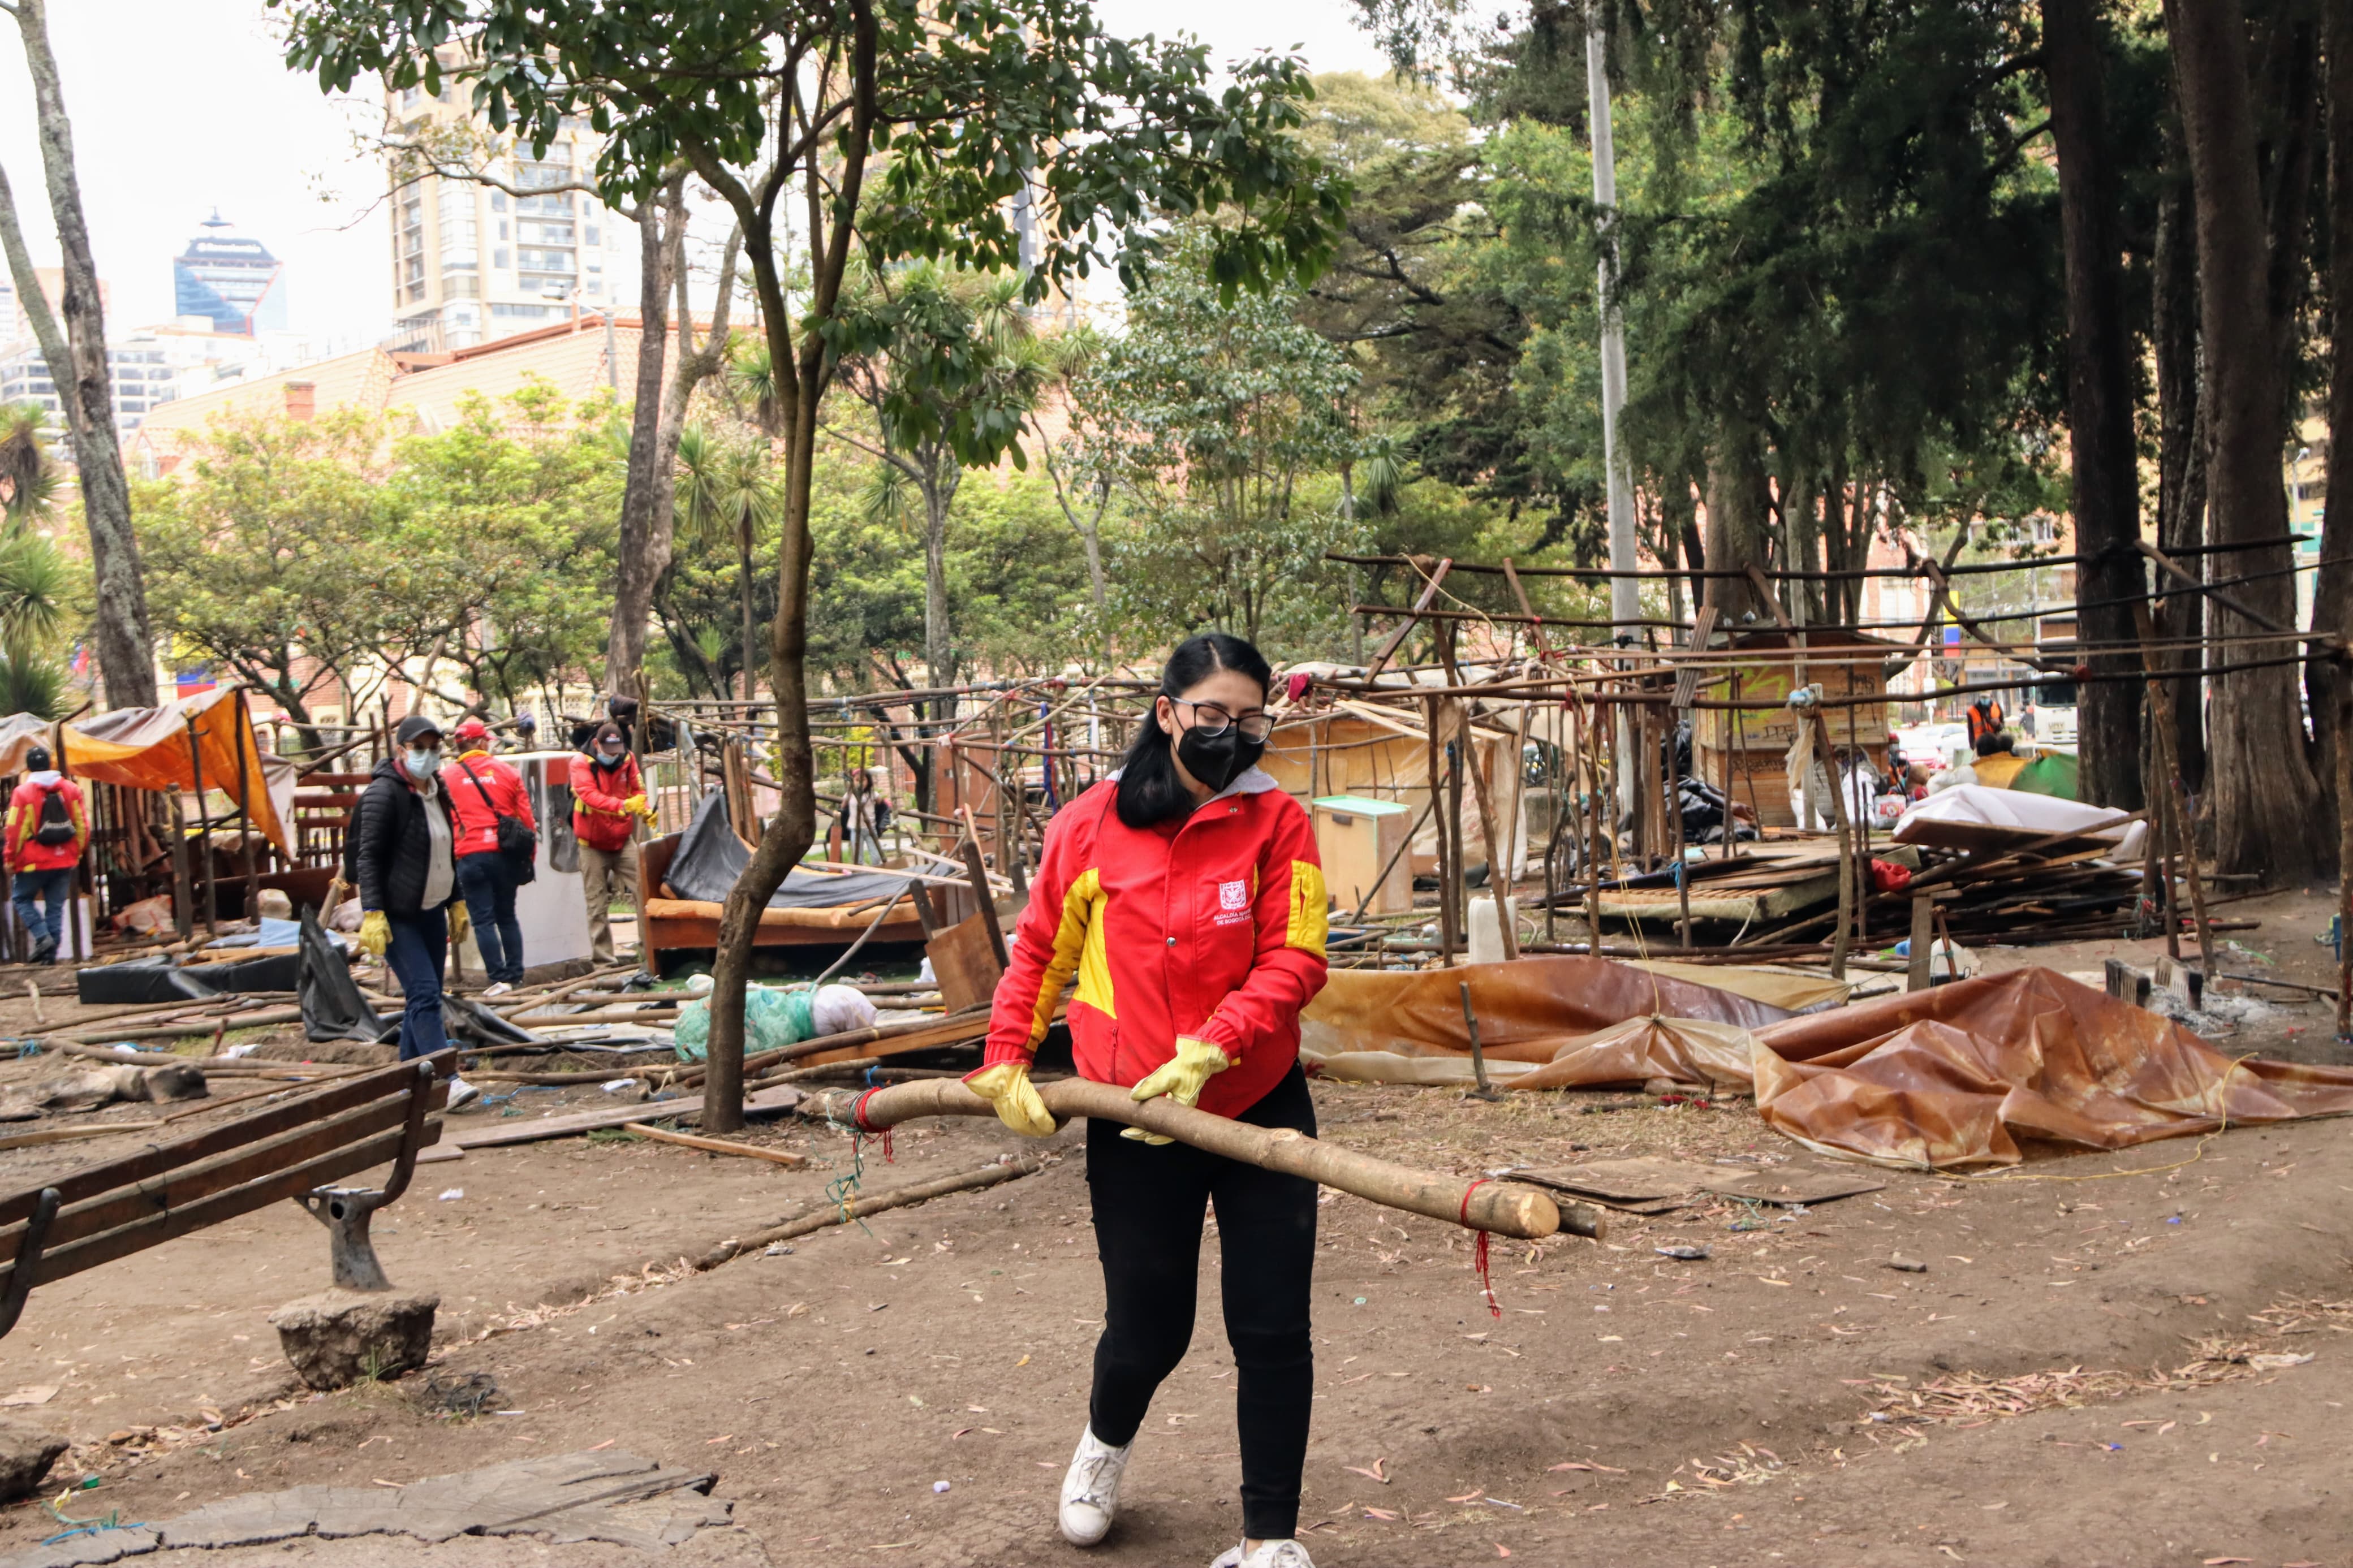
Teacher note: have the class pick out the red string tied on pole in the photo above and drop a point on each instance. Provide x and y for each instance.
(858, 1116)
(1479, 1260)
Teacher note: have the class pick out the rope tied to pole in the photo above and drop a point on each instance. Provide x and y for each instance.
(1479, 1261)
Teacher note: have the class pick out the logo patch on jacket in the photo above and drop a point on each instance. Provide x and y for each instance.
(1233, 903)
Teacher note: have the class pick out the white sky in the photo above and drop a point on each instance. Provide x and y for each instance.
(180, 106)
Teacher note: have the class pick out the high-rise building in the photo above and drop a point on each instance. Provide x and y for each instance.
(470, 264)
(138, 370)
(232, 280)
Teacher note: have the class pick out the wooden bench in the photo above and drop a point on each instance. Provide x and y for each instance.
(295, 1149)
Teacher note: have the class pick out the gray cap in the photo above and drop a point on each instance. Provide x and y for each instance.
(416, 725)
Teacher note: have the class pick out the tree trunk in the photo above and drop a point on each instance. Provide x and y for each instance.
(939, 652)
(78, 368)
(2099, 401)
(2268, 816)
(2180, 443)
(1736, 522)
(1683, 526)
(2326, 675)
(647, 525)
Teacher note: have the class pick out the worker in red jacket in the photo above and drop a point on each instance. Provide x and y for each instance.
(482, 790)
(608, 797)
(1184, 894)
(47, 825)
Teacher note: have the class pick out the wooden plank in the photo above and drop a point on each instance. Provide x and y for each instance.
(156, 1158)
(766, 1103)
(964, 962)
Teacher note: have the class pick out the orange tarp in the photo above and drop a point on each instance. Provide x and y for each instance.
(1960, 1074)
(151, 748)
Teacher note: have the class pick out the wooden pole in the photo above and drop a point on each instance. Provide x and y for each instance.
(1505, 1208)
(2345, 848)
(1924, 912)
(1429, 708)
(2178, 793)
(820, 1215)
(1499, 878)
(1844, 932)
(184, 892)
(204, 825)
(245, 812)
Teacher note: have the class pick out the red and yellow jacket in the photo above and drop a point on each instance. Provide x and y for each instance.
(27, 853)
(1212, 927)
(597, 796)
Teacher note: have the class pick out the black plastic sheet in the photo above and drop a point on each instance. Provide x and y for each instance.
(710, 858)
(332, 1008)
(142, 980)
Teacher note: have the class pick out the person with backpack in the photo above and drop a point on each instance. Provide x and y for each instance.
(607, 795)
(402, 856)
(47, 825)
(498, 844)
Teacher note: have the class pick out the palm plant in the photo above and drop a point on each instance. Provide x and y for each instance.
(729, 490)
(26, 476)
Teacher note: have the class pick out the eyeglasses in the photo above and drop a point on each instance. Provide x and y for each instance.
(1212, 721)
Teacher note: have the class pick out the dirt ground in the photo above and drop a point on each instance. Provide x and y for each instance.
(2082, 1375)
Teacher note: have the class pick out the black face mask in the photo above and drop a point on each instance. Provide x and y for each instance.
(1219, 760)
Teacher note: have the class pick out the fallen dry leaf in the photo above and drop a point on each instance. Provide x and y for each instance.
(1379, 1472)
(1472, 1496)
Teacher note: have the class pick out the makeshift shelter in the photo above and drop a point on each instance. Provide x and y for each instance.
(1744, 752)
(1371, 752)
(200, 743)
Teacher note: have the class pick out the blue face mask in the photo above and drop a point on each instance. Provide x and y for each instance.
(421, 764)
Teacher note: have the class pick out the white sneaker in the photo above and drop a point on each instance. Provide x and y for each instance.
(1284, 1554)
(500, 989)
(462, 1093)
(1091, 1490)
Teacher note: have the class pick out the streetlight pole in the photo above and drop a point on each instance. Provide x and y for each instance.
(1625, 592)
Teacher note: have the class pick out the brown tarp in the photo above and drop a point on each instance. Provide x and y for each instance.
(1960, 1074)
(1544, 1023)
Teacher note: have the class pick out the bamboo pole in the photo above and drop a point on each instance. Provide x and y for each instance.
(1504, 1207)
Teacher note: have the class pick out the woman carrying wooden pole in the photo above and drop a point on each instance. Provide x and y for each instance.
(1186, 897)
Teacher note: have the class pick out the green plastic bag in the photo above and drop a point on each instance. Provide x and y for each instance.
(773, 1017)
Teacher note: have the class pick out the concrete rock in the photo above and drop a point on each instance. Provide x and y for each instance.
(337, 1337)
(25, 1455)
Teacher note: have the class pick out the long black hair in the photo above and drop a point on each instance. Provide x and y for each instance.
(1149, 790)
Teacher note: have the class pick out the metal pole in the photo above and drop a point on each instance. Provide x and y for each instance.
(1625, 595)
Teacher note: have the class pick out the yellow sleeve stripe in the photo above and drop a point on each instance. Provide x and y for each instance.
(1074, 932)
(1310, 919)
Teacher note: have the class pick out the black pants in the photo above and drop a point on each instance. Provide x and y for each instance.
(1148, 1206)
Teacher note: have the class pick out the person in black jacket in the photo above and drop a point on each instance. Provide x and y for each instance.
(404, 861)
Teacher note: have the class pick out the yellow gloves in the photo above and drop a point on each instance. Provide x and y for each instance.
(1181, 1079)
(460, 923)
(1006, 1086)
(636, 806)
(375, 933)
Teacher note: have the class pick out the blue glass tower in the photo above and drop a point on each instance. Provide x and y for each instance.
(235, 281)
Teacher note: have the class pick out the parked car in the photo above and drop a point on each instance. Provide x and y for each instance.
(1931, 745)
